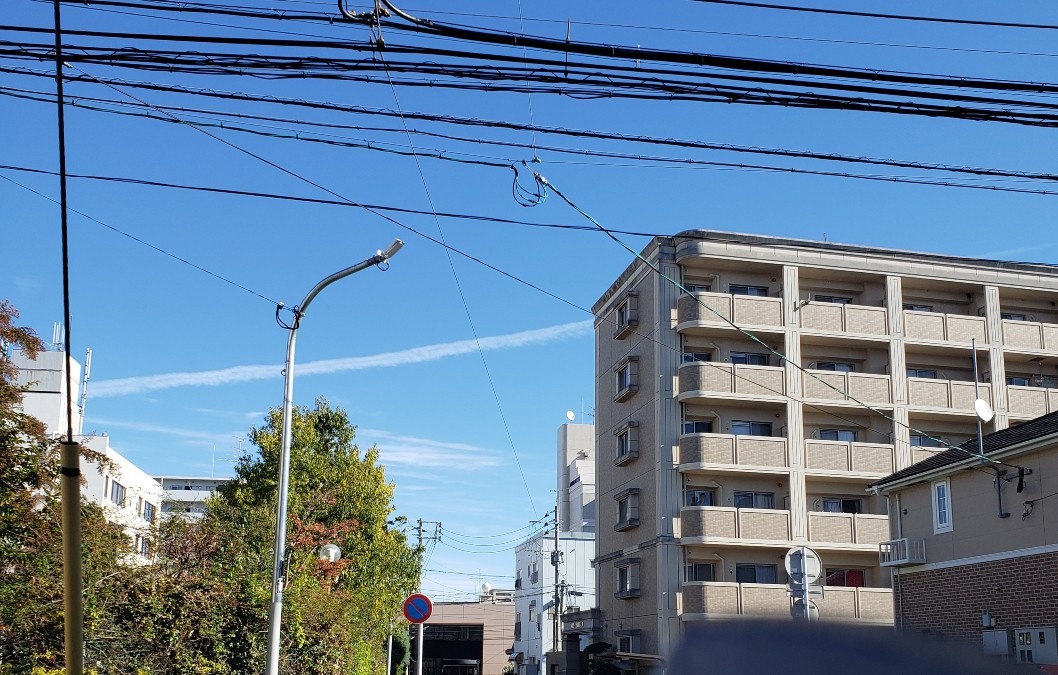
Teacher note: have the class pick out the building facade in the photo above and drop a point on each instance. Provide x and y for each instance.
(974, 558)
(746, 410)
(554, 575)
(185, 496)
(466, 638)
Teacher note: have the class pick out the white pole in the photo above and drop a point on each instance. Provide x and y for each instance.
(389, 653)
(418, 658)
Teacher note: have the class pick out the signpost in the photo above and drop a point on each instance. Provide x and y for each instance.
(417, 609)
(804, 567)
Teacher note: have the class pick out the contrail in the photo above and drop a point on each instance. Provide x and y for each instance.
(213, 378)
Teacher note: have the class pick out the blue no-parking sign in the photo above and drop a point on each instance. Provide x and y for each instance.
(417, 608)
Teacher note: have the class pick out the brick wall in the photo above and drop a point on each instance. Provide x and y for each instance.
(948, 603)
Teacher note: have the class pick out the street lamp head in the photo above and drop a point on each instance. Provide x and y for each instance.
(392, 249)
(330, 553)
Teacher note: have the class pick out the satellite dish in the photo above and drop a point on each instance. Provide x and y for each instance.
(486, 588)
(570, 416)
(984, 410)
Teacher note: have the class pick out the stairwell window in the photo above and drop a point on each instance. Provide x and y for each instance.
(942, 507)
(627, 581)
(627, 444)
(626, 381)
(627, 510)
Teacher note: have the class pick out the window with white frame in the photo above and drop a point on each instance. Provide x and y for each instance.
(627, 444)
(148, 511)
(942, 506)
(699, 571)
(627, 509)
(745, 499)
(748, 428)
(117, 493)
(626, 379)
(743, 289)
(699, 496)
(626, 316)
(750, 573)
(846, 435)
(628, 641)
(532, 611)
(627, 578)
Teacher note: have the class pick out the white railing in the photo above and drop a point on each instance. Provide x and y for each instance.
(900, 552)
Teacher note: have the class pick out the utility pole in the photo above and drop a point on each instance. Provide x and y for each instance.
(556, 608)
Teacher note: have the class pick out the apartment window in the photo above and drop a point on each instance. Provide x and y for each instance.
(926, 441)
(627, 509)
(742, 289)
(846, 435)
(117, 493)
(696, 357)
(626, 379)
(532, 611)
(842, 505)
(144, 547)
(518, 626)
(626, 316)
(148, 512)
(1018, 381)
(914, 307)
(749, 573)
(627, 572)
(754, 500)
(699, 497)
(697, 426)
(839, 576)
(627, 444)
(749, 359)
(833, 299)
(744, 428)
(942, 507)
(836, 366)
(698, 288)
(699, 571)
(924, 373)
(1012, 316)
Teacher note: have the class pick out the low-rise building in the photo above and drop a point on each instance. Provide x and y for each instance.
(186, 496)
(974, 546)
(466, 638)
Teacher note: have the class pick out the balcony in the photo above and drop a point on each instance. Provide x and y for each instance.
(727, 378)
(1030, 335)
(949, 394)
(902, 552)
(716, 598)
(1031, 401)
(732, 451)
(843, 457)
(864, 387)
(835, 318)
(744, 310)
(936, 327)
(708, 524)
(848, 528)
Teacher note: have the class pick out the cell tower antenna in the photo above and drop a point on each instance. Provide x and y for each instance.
(84, 387)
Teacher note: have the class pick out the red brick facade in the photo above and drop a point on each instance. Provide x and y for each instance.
(948, 603)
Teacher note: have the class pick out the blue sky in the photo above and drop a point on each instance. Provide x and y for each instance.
(184, 364)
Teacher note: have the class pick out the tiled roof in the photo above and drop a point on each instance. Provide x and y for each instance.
(999, 440)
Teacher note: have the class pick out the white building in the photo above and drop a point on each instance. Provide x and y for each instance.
(127, 495)
(546, 571)
(186, 496)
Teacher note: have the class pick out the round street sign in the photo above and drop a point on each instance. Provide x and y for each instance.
(803, 565)
(417, 608)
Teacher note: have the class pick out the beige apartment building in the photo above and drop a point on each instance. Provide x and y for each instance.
(748, 413)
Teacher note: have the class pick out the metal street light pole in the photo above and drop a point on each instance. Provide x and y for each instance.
(275, 612)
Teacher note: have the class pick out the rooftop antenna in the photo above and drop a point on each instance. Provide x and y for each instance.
(985, 414)
(57, 335)
(84, 388)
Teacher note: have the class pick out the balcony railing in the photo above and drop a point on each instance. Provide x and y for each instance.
(944, 327)
(733, 450)
(848, 528)
(1030, 335)
(1031, 401)
(839, 603)
(724, 522)
(744, 310)
(828, 385)
(835, 318)
(727, 378)
(928, 393)
(875, 458)
(902, 552)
